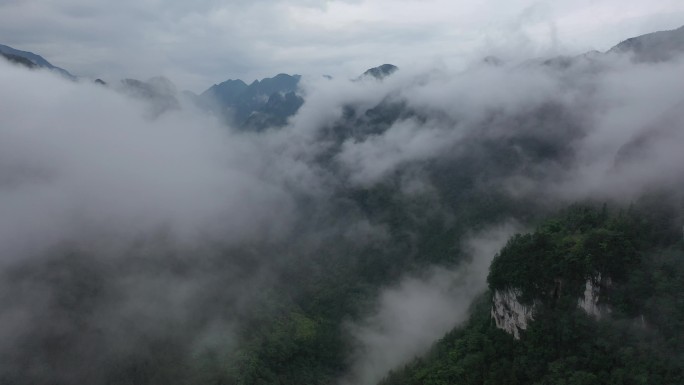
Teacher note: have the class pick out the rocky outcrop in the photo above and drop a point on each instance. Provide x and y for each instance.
(512, 316)
(589, 302)
(592, 292)
(509, 314)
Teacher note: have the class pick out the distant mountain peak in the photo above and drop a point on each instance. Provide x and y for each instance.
(14, 54)
(237, 82)
(269, 101)
(382, 71)
(653, 47)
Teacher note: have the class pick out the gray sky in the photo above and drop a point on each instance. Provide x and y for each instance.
(203, 42)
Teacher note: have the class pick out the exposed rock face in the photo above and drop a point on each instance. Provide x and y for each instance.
(512, 316)
(590, 302)
(509, 314)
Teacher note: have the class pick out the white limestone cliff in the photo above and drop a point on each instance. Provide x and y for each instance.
(592, 291)
(509, 314)
(512, 316)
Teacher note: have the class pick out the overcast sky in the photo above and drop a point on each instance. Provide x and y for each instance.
(198, 43)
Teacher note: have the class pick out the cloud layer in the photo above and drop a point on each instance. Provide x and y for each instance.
(415, 313)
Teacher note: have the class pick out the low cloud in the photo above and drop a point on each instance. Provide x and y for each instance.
(419, 310)
(81, 159)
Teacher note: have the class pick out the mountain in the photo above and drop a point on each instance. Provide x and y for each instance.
(583, 299)
(18, 60)
(653, 47)
(226, 92)
(37, 60)
(257, 95)
(649, 48)
(159, 92)
(381, 72)
(261, 104)
(275, 112)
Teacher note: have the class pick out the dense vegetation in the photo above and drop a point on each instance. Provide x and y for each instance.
(638, 342)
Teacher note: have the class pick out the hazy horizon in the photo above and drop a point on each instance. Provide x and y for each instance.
(200, 44)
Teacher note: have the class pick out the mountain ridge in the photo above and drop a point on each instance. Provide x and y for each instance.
(653, 47)
(37, 60)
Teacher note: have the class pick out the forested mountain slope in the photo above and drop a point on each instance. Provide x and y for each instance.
(636, 338)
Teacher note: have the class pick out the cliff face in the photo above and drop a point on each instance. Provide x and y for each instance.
(592, 291)
(568, 262)
(509, 314)
(547, 289)
(512, 316)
